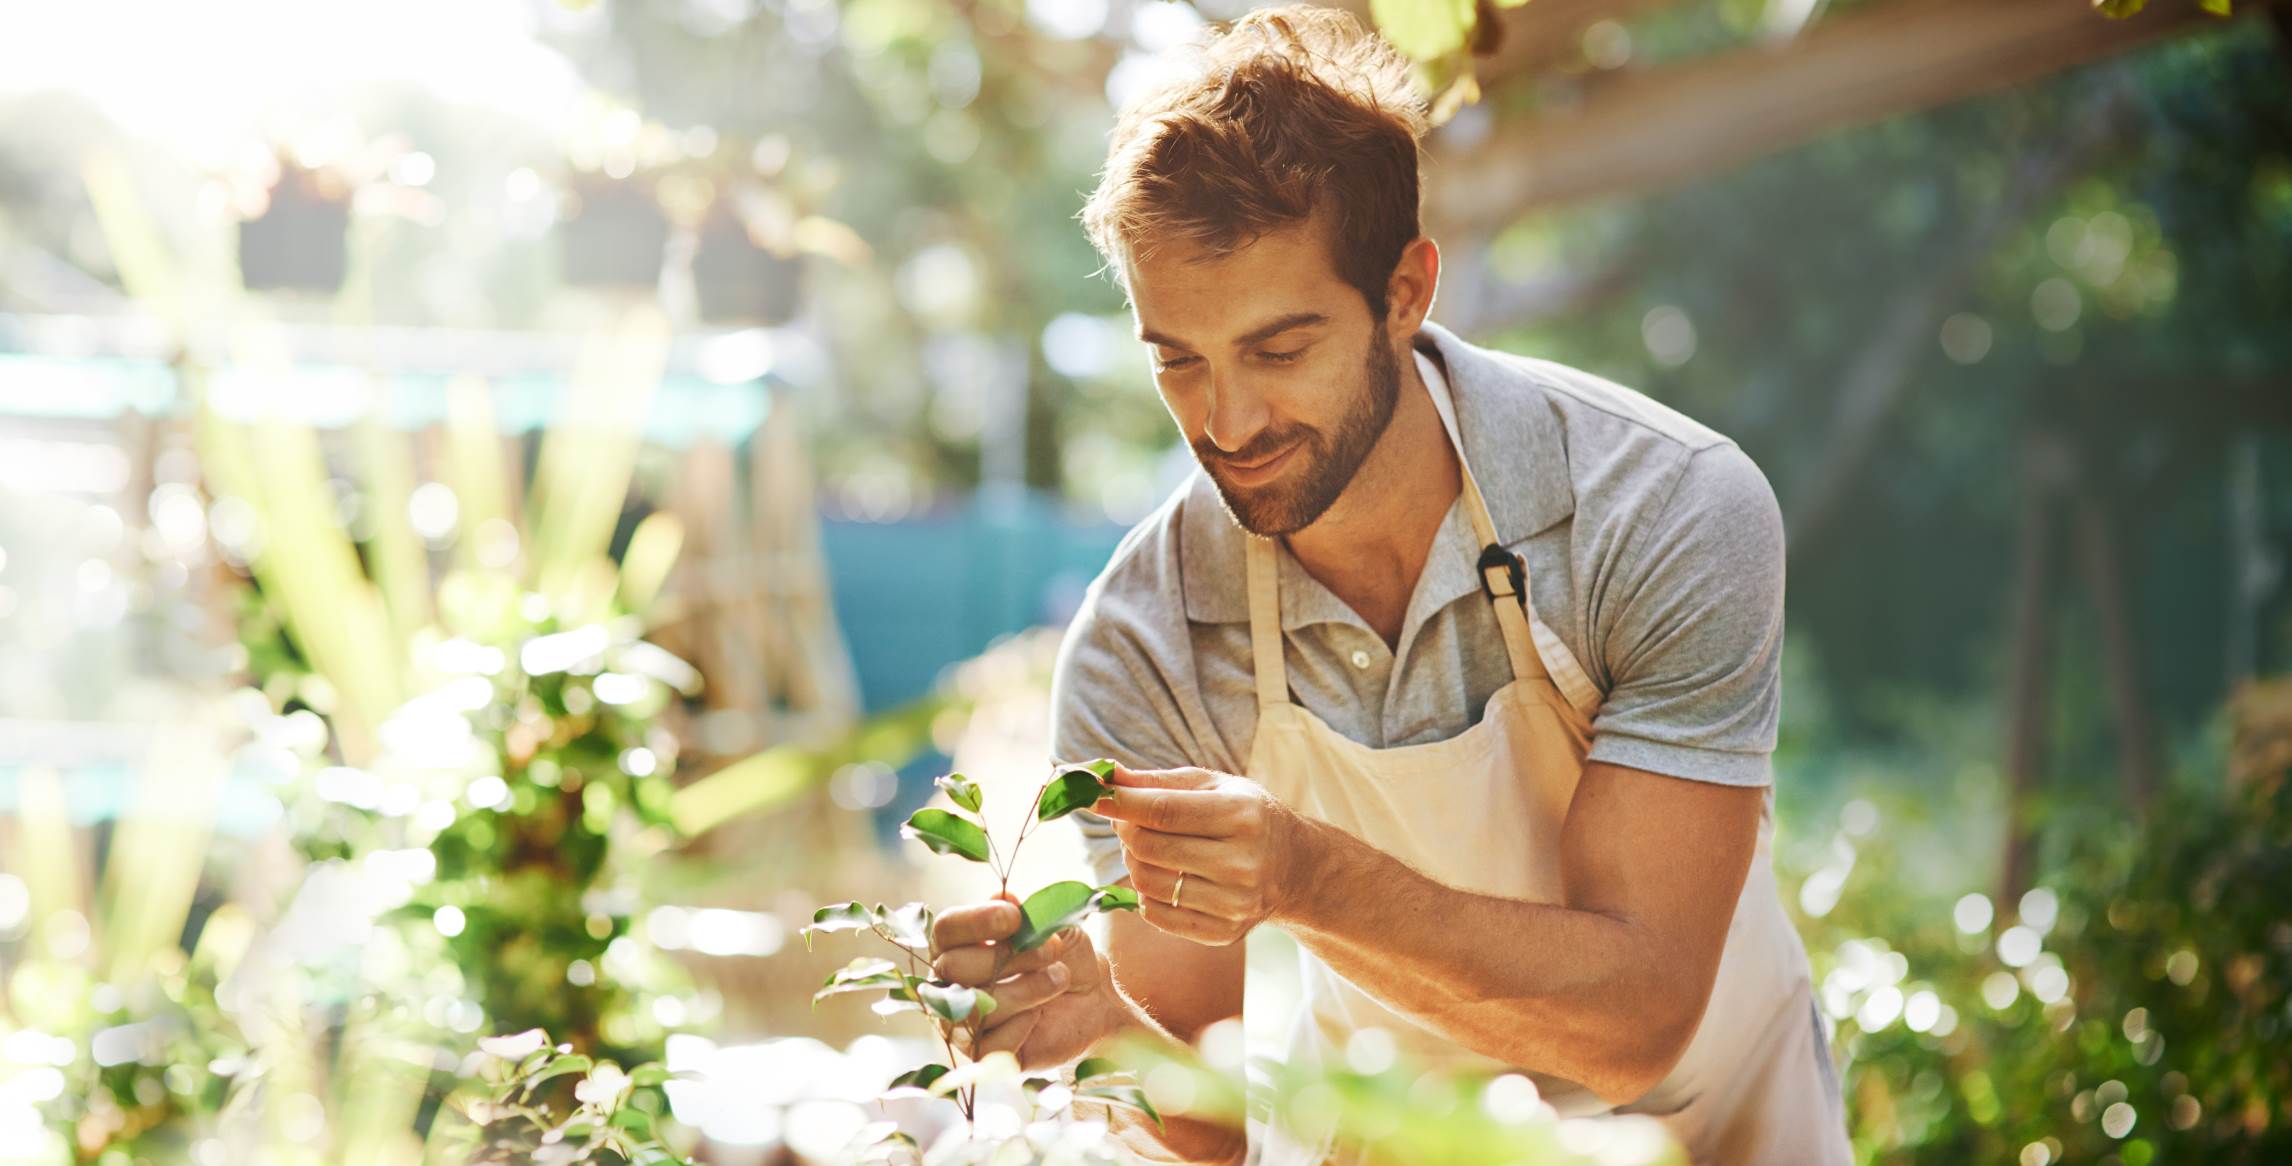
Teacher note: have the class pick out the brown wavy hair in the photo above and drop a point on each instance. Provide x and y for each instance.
(1276, 116)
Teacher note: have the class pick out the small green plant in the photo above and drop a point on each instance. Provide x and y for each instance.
(904, 980)
(508, 1113)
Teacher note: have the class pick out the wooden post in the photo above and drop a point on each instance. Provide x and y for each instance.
(2103, 565)
(2030, 691)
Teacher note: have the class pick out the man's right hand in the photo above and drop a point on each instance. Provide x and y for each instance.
(1052, 1005)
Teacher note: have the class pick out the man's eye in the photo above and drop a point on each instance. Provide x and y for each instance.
(1281, 357)
(1176, 362)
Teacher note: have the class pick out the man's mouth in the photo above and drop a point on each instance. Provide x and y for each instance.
(1263, 467)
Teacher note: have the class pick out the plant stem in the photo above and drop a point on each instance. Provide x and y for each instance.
(1026, 824)
(966, 1102)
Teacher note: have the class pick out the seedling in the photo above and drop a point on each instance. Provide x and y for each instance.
(906, 986)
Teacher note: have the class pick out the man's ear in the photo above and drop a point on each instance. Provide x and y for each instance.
(1415, 282)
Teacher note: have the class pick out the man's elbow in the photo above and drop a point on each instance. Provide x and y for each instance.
(1644, 1048)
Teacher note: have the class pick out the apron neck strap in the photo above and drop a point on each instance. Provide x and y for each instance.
(1271, 671)
(1503, 574)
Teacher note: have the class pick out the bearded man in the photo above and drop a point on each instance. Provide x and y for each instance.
(1460, 667)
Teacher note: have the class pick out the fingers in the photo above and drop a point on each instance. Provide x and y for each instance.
(973, 965)
(1201, 894)
(1187, 923)
(1185, 778)
(1203, 813)
(1176, 852)
(1018, 1008)
(973, 923)
(1020, 993)
(1007, 1036)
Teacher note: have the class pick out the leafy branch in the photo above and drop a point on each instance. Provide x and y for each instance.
(506, 1115)
(963, 832)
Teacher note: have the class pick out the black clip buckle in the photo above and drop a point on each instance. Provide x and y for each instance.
(1494, 558)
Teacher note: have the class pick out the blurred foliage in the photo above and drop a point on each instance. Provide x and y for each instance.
(2128, 304)
(559, 774)
(142, 1068)
(2121, 9)
(503, 1121)
(1390, 1115)
(2131, 1009)
(500, 721)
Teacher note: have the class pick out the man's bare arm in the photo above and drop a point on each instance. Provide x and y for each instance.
(1604, 988)
(1176, 988)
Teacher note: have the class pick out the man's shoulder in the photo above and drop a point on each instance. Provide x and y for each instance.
(1565, 442)
(1588, 404)
(1638, 465)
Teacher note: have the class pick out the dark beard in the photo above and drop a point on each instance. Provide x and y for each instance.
(1281, 508)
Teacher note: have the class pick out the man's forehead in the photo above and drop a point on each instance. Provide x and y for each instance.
(1199, 298)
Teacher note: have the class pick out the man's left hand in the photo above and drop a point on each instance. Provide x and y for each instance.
(1239, 849)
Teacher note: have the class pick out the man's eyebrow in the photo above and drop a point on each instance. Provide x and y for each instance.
(1257, 335)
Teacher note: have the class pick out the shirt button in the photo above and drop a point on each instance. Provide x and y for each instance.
(1360, 658)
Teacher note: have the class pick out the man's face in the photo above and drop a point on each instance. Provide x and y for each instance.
(1273, 368)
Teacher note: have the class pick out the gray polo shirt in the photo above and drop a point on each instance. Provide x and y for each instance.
(1654, 550)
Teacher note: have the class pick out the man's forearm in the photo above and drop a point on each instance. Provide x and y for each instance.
(1590, 997)
(1179, 1138)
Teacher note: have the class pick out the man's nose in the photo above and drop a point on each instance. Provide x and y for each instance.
(1237, 413)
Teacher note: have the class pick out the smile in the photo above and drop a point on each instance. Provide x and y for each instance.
(1248, 475)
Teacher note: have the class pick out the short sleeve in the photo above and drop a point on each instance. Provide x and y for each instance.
(1694, 635)
(1109, 700)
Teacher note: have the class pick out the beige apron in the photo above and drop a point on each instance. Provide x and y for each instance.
(1482, 811)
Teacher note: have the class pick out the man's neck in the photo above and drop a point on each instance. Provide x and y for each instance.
(1370, 546)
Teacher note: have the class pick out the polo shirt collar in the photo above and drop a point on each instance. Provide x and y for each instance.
(1512, 438)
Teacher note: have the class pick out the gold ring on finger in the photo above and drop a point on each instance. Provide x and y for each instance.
(1178, 890)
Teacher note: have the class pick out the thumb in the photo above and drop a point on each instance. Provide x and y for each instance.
(1187, 778)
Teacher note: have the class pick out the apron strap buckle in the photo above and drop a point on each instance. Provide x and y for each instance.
(1502, 574)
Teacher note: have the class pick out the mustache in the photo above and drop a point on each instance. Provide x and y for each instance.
(1266, 445)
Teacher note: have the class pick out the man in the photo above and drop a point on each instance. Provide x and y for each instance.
(1461, 668)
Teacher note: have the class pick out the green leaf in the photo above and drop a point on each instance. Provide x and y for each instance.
(953, 1002)
(1073, 789)
(634, 1120)
(908, 925)
(994, 1069)
(917, 1078)
(1130, 1095)
(862, 975)
(1090, 1067)
(863, 968)
(1423, 29)
(654, 1073)
(961, 790)
(1114, 898)
(894, 1005)
(839, 917)
(878, 1141)
(1048, 910)
(948, 833)
(575, 1063)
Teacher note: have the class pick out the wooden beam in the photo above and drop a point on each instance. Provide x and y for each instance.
(1542, 36)
(1646, 131)
(1549, 34)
